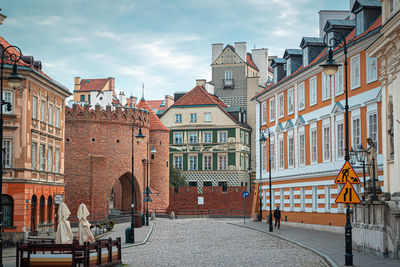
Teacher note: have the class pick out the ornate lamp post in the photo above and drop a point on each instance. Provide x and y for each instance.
(151, 140)
(332, 39)
(139, 136)
(263, 139)
(13, 54)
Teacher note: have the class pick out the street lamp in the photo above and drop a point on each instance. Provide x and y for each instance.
(263, 139)
(13, 54)
(136, 122)
(151, 140)
(332, 39)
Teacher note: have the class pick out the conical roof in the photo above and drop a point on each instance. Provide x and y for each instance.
(155, 123)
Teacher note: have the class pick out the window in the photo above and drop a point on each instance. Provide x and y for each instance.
(290, 101)
(192, 163)
(356, 133)
(272, 153)
(281, 154)
(327, 147)
(291, 151)
(207, 183)
(340, 140)
(193, 138)
(264, 156)
(292, 198)
(246, 138)
(372, 69)
(34, 156)
(58, 118)
(390, 6)
(41, 210)
(264, 113)
(49, 209)
(222, 136)
(272, 109)
(302, 199)
(82, 98)
(8, 209)
(314, 145)
(373, 127)
(224, 185)
(207, 116)
(326, 86)
(42, 157)
(339, 81)
(43, 111)
(207, 137)
(207, 165)
(34, 107)
(359, 23)
(302, 149)
(314, 198)
(178, 138)
(228, 77)
(57, 160)
(7, 98)
(222, 162)
(302, 103)
(305, 56)
(50, 159)
(178, 118)
(313, 91)
(355, 71)
(50, 114)
(328, 198)
(288, 67)
(178, 162)
(193, 183)
(7, 150)
(193, 117)
(281, 105)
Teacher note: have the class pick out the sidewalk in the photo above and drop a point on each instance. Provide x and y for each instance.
(327, 244)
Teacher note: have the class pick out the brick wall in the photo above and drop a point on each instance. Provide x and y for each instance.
(214, 199)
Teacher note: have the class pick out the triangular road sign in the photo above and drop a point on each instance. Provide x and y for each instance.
(147, 199)
(145, 191)
(347, 174)
(348, 195)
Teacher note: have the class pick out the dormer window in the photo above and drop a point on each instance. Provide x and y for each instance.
(275, 75)
(305, 56)
(359, 23)
(288, 67)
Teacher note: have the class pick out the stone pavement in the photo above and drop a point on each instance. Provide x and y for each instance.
(330, 245)
(214, 242)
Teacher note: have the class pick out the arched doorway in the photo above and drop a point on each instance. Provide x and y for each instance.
(121, 196)
(33, 214)
(50, 209)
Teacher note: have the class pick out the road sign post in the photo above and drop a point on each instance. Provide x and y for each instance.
(245, 194)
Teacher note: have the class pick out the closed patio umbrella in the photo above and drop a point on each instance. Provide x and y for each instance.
(84, 233)
(64, 234)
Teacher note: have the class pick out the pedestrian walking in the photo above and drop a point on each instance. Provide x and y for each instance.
(277, 216)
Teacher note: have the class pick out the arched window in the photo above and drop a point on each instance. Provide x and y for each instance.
(50, 210)
(41, 211)
(8, 207)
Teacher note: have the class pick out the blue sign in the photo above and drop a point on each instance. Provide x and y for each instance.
(245, 194)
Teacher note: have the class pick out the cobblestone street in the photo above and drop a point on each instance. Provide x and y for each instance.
(213, 242)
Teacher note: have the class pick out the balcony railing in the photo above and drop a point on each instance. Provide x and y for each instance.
(228, 83)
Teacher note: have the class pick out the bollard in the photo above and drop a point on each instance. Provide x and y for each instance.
(153, 216)
(172, 215)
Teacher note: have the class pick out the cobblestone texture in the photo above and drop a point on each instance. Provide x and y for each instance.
(213, 242)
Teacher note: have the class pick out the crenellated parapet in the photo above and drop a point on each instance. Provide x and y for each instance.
(117, 116)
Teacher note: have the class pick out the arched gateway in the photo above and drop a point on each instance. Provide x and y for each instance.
(98, 159)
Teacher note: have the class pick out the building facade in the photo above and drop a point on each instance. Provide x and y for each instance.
(209, 142)
(304, 111)
(33, 143)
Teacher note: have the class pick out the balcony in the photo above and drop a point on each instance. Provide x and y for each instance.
(228, 83)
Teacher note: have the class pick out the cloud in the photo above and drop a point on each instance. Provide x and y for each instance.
(47, 21)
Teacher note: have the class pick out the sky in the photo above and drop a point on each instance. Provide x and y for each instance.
(165, 44)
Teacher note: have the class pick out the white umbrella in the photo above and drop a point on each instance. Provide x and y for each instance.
(64, 234)
(84, 233)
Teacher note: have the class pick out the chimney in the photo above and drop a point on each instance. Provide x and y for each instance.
(260, 58)
(112, 83)
(169, 101)
(77, 82)
(210, 88)
(2, 18)
(324, 15)
(178, 95)
(122, 98)
(216, 51)
(240, 49)
(200, 82)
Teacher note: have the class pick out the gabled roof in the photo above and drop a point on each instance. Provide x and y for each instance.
(276, 61)
(154, 103)
(92, 85)
(250, 62)
(339, 23)
(360, 4)
(306, 41)
(300, 121)
(289, 124)
(338, 107)
(292, 52)
(155, 123)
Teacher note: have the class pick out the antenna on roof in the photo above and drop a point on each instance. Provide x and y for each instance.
(254, 46)
(142, 91)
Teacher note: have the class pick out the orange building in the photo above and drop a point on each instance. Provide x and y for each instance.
(33, 145)
(304, 110)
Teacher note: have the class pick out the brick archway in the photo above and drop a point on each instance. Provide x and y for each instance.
(122, 194)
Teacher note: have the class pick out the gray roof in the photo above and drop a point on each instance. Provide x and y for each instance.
(278, 61)
(365, 3)
(306, 41)
(340, 23)
(292, 52)
(232, 109)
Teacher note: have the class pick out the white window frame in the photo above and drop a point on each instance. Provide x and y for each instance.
(49, 158)
(290, 151)
(207, 117)
(356, 132)
(181, 138)
(222, 164)
(369, 114)
(302, 149)
(34, 107)
(196, 137)
(195, 165)
(264, 156)
(208, 133)
(313, 91)
(51, 112)
(57, 160)
(7, 152)
(272, 152)
(290, 101)
(8, 96)
(305, 56)
(272, 109)
(178, 118)
(42, 157)
(339, 81)
(219, 136)
(193, 117)
(324, 140)
(205, 166)
(312, 144)
(43, 111)
(326, 87)
(355, 72)
(178, 162)
(301, 95)
(340, 146)
(58, 117)
(372, 73)
(281, 146)
(263, 113)
(281, 98)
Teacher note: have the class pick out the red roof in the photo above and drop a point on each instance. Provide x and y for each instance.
(249, 60)
(155, 104)
(92, 84)
(350, 38)
(155, 123)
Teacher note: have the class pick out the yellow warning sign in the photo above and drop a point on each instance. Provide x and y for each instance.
(347, 174)
(348, 195)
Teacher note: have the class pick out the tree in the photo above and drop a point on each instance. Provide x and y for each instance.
(176, 179)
